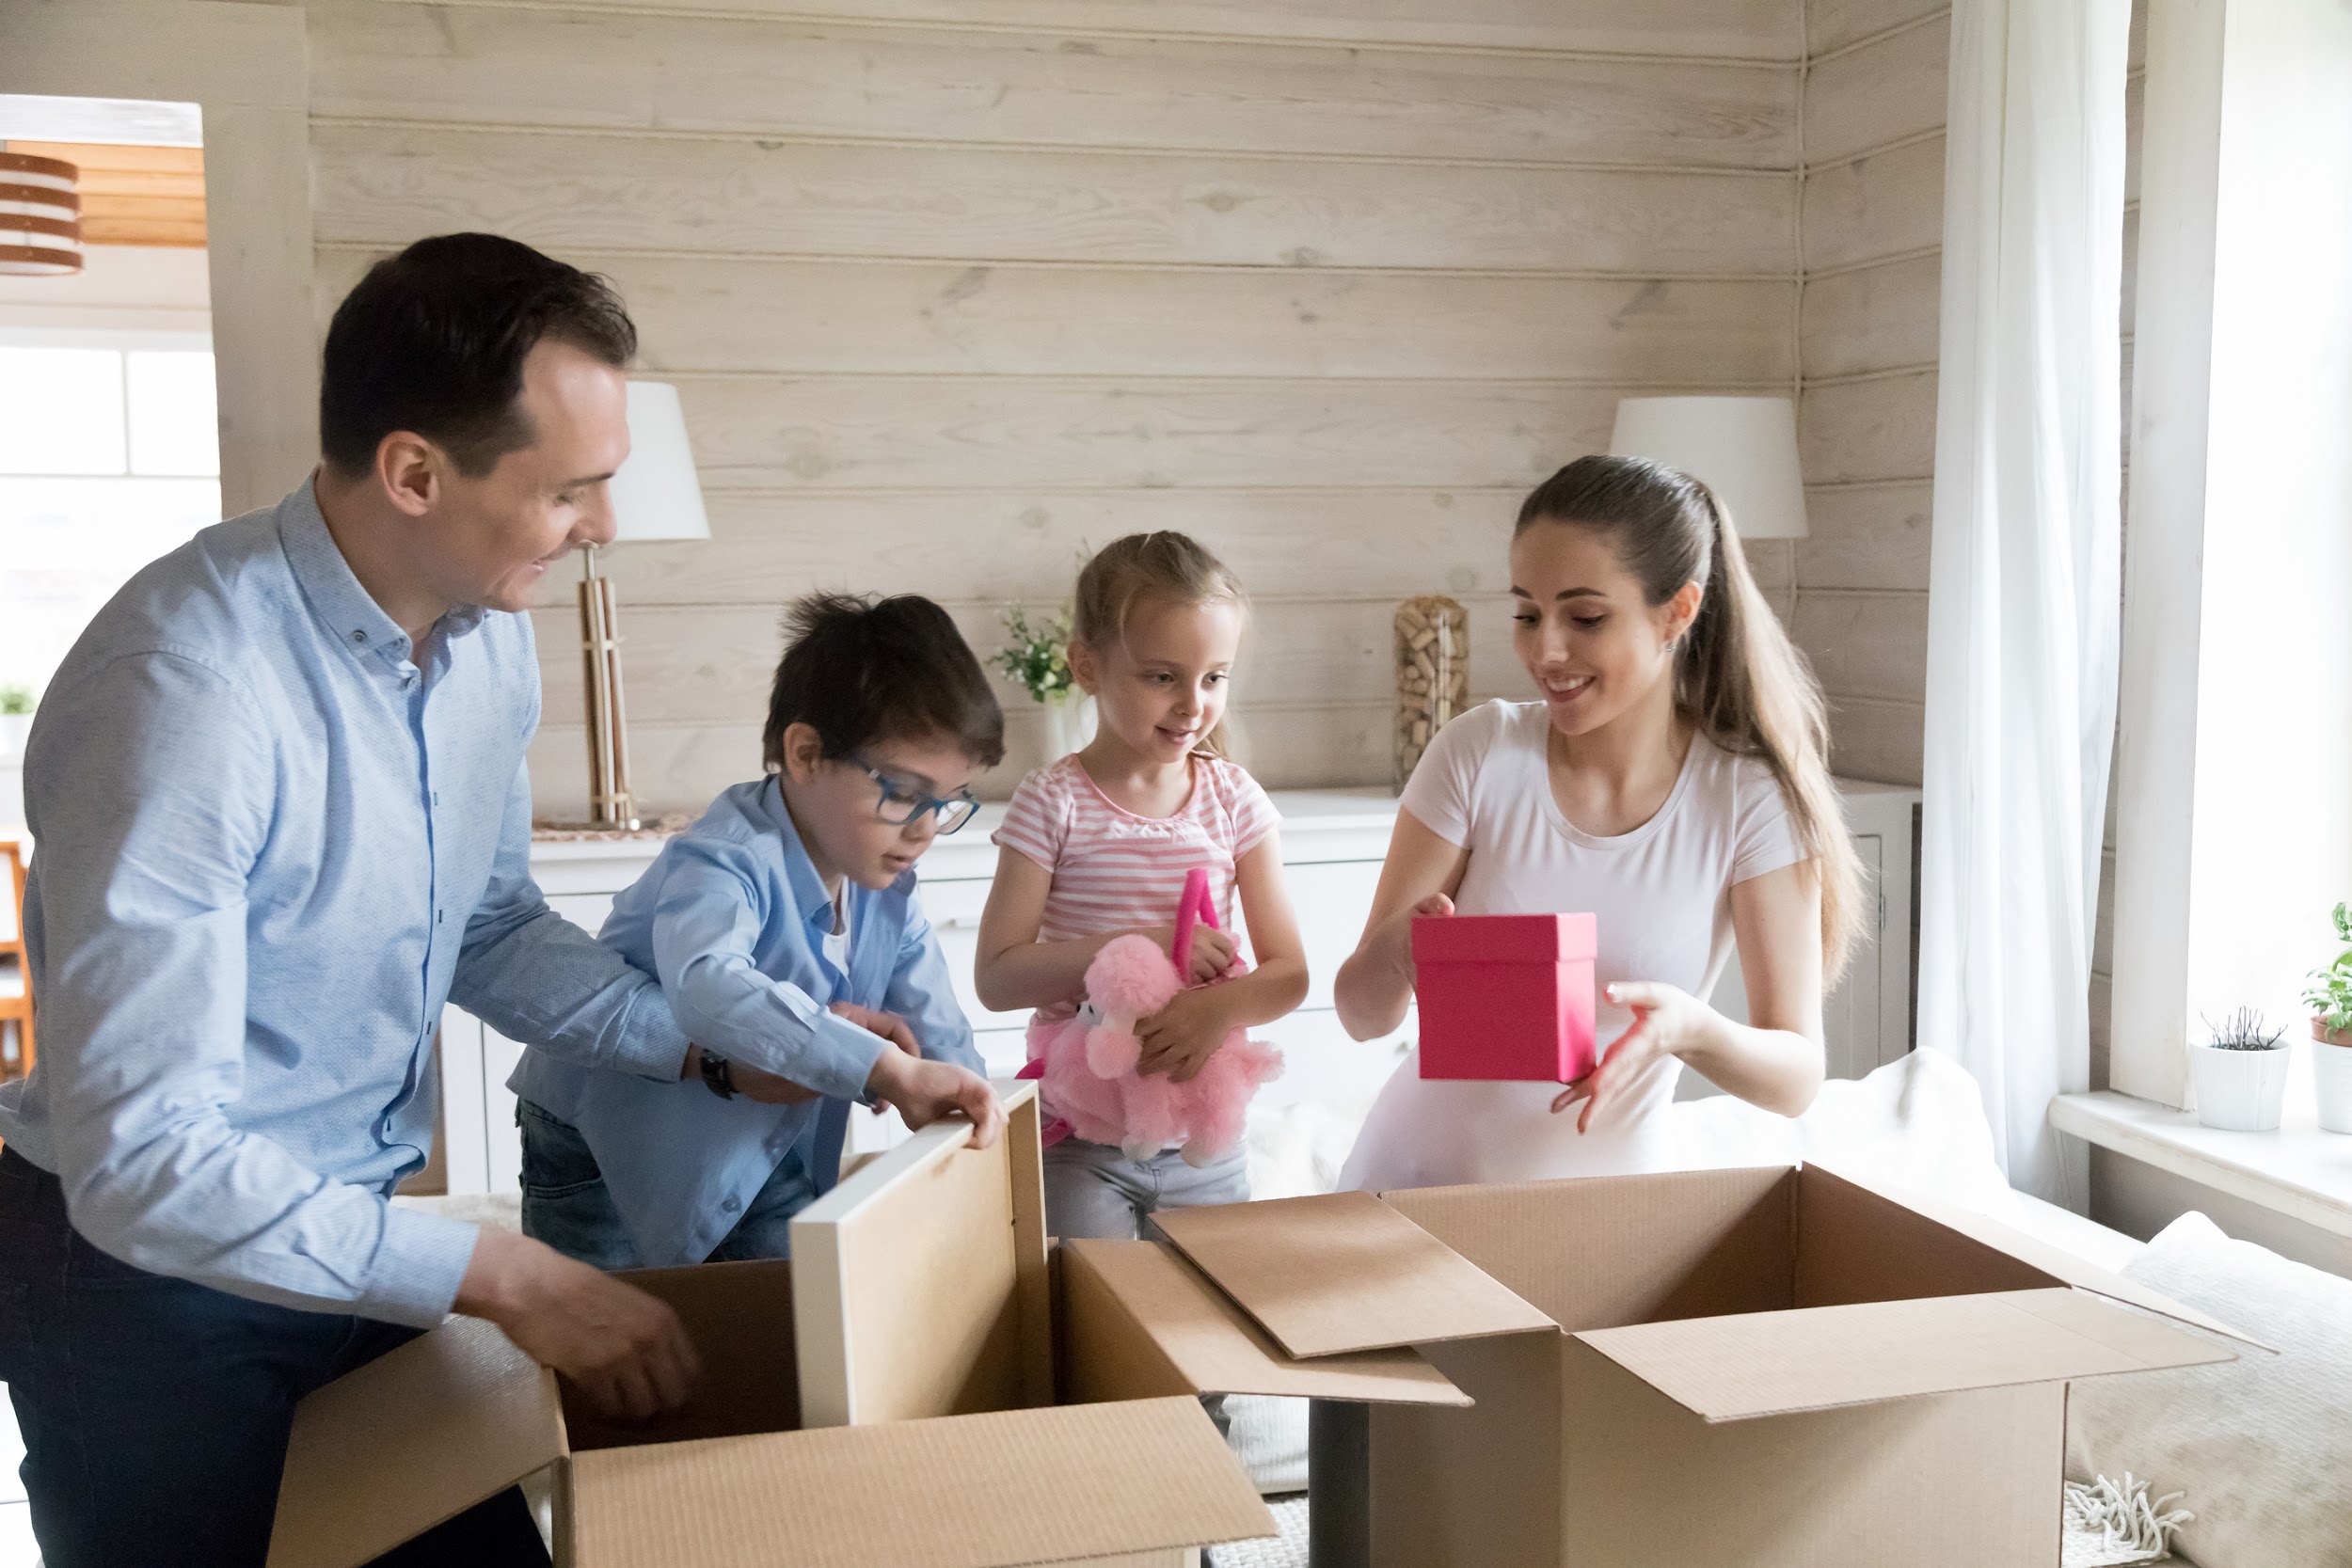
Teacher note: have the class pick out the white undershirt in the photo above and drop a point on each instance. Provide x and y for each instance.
(1661, 893)
(837, 939)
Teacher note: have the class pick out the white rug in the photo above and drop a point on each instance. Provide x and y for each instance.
(1287, 1551)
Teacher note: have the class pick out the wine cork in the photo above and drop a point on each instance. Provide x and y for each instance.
(1432, 674)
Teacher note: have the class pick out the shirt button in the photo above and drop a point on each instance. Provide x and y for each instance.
(731, 1205)
(358, 637)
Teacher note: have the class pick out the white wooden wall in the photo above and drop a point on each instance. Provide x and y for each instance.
(953, 287)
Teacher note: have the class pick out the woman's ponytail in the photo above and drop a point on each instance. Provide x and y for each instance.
(1736, 676)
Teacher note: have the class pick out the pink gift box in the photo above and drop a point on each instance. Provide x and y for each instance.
(1505, 996)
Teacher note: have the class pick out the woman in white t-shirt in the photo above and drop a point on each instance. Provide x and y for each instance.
(1673, 781)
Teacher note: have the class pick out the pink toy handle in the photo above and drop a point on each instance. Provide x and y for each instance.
(1195, 907)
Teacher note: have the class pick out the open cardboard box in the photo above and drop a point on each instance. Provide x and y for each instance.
(1764, 1368)
(888, 1397)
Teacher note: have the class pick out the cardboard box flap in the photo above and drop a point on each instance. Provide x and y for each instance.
(1000, 1490)
(1817, 1358)
(1165, 1312)
(388, 1451)
(1344, 1272)
(2055, 1261)
(1503, 938)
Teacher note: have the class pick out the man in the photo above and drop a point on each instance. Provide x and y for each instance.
(280, 815)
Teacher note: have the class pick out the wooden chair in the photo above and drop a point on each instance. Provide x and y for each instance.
(16, 988)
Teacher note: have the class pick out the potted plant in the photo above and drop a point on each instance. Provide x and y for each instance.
(2241, 1073)
(1037, 661)
(2329, 998)
(16, 719)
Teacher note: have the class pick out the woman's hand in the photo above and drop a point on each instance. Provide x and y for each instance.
(1180, 1039)
(1667, 1021)
(1212, 951)
(890, 1026)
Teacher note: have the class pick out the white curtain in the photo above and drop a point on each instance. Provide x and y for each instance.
(2023, 576)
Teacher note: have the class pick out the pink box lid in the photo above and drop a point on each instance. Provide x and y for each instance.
(1503, 937)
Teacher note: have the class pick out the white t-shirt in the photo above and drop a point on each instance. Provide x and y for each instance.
(1662, 895)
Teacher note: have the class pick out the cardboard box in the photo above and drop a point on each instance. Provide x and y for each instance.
(886, 1398)
(1505, 996)
(1739, 1368)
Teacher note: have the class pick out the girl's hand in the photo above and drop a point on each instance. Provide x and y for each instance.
(1180, 1039)
(1666, 1022)
(1212, 952)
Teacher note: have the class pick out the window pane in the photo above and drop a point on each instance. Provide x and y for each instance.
(60, 411)
(70, 543)
(173, 430)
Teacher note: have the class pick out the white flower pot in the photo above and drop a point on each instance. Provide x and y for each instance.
(14, 728)
(1069, 725)
(2331, 1081)
(2240, 1091)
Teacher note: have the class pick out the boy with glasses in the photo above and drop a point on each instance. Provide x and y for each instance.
(784, 929)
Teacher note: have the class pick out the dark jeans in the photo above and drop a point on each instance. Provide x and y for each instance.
(567, 1205)
(154, 1411)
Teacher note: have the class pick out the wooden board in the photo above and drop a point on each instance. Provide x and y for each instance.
(1890, 203)
(1763, 30)
(911, 1297)
(1833, 24)
(387, 185)
(784, 76)
(1870, 738)
(1888, 90)
(1873, 318)
(1865, 644)
(1882, 428)
(1866, 535)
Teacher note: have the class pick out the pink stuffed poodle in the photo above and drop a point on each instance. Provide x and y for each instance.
(1088, 1062)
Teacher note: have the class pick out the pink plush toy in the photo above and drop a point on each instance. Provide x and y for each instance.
(1088, 1063)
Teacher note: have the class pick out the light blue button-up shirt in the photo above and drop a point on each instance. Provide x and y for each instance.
(269, 843)
(733, 917)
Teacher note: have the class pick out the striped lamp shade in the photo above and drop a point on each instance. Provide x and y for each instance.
(41, 216)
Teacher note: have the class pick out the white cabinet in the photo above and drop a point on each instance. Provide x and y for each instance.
(1333, 845)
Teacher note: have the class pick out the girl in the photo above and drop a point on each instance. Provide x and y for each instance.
(1097, 845)
(1672, 779)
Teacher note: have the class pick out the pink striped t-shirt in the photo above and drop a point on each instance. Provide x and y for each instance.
(1115, 871)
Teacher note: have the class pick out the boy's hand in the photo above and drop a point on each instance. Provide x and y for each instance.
(1212, 952)
(925, 1092)
(890, 1026)
(1180, 1039)
(626, 1350)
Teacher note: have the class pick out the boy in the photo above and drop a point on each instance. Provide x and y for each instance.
(785, 930)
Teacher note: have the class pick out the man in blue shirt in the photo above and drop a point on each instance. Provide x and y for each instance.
(277, 796)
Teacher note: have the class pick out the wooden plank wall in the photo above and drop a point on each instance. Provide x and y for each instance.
(952, 289)
(1873, 190)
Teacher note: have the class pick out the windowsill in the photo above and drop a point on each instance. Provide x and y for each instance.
(2299, 1170)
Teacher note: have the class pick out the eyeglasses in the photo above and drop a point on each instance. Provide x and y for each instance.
(903, 804)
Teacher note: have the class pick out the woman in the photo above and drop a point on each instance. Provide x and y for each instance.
(1672, 779)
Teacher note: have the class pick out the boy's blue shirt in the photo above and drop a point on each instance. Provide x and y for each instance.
(732, 917)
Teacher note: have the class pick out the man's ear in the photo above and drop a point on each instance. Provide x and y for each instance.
(803, 750)
(1084, 667)
(408, 470)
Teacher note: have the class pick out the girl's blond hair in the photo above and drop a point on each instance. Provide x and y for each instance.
(1166, 566)
(1738, 678)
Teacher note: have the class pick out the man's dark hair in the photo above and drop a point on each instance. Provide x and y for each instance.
(859, 670)
(433, 341)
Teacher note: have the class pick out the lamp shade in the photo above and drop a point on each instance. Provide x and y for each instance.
(41, 214)
(1742, 449)
(656, 493)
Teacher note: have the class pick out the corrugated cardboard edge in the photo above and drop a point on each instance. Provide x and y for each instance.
(1344, 1271)
(1001, 1490)
(2054, 1261)
(1139, 1319)
(1758, 1365)
(386, 1451)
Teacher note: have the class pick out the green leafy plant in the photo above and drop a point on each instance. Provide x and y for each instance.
(16, 699)
(1037, 657)
(2330, 993)
(2242, 1030)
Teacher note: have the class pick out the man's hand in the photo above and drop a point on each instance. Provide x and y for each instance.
(626, 1350)
(751, 1084)
(1212, 951)
(925, 1092)
(1180, 1039)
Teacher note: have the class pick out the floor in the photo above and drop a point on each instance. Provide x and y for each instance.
(16, 1524)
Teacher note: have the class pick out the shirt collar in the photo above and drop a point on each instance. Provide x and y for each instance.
(344, 608)
(800, 872)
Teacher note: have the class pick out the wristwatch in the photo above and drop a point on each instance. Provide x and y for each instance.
(717, 1076)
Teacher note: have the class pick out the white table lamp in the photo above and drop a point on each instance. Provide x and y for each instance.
(1742, 449)
(655, 495)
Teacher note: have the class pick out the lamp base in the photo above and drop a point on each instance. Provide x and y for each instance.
(610, 802)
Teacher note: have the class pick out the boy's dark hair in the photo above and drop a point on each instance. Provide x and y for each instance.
(858, 670)
(432, 339)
